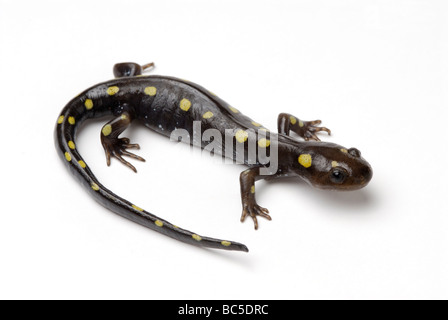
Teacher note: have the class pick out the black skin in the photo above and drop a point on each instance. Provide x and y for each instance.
(164, 104)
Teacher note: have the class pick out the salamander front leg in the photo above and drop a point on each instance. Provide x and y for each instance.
(305, 129)
(114, 146)
(250, 206)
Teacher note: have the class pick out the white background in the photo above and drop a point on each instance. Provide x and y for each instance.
(374, 71)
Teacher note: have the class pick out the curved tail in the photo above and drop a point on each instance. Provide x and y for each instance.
(78, 110)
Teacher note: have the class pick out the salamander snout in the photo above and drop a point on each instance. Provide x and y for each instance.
(360, 176)
(362, 171)
(366, 174)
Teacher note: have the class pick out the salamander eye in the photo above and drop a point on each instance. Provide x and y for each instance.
(338, 175)
(354, 152)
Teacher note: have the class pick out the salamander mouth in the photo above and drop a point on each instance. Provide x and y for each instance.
(357, 184)
(347, 187)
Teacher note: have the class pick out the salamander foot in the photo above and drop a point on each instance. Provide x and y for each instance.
(116, 147)
(253, 211)
(305, 129)
(309, 129)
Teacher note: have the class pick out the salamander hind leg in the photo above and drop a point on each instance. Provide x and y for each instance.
(305, 129)
(250, 206)
(117, 147)
(130, 69)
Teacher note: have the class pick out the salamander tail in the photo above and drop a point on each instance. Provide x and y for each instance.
(65, 131)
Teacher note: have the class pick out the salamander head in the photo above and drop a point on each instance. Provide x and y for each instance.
(330, 166)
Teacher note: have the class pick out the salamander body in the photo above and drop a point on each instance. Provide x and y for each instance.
(179, 108)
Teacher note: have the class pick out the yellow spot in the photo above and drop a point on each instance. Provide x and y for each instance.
(60, 119)
(71, 120)
(344, 150)
(305, 160)
(89, 104)
(334, 164)
(292, 119)
(226, 243)
(241, 136)
(151, 91)
(252, 189)
(112, 90)
(71, 145)
(233, 110)
(68, 156)
(301, 124)
(256, 124)
(173, 224)
(123, 117)
(196, 237)
(159, 223)
(264, 143)
(207, 115)
(107, 129)
(212, 93)
(185, 104)
(95, 186)
(82, 163)
(137, 208)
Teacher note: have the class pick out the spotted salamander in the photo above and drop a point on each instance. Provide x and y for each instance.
(166, 104)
